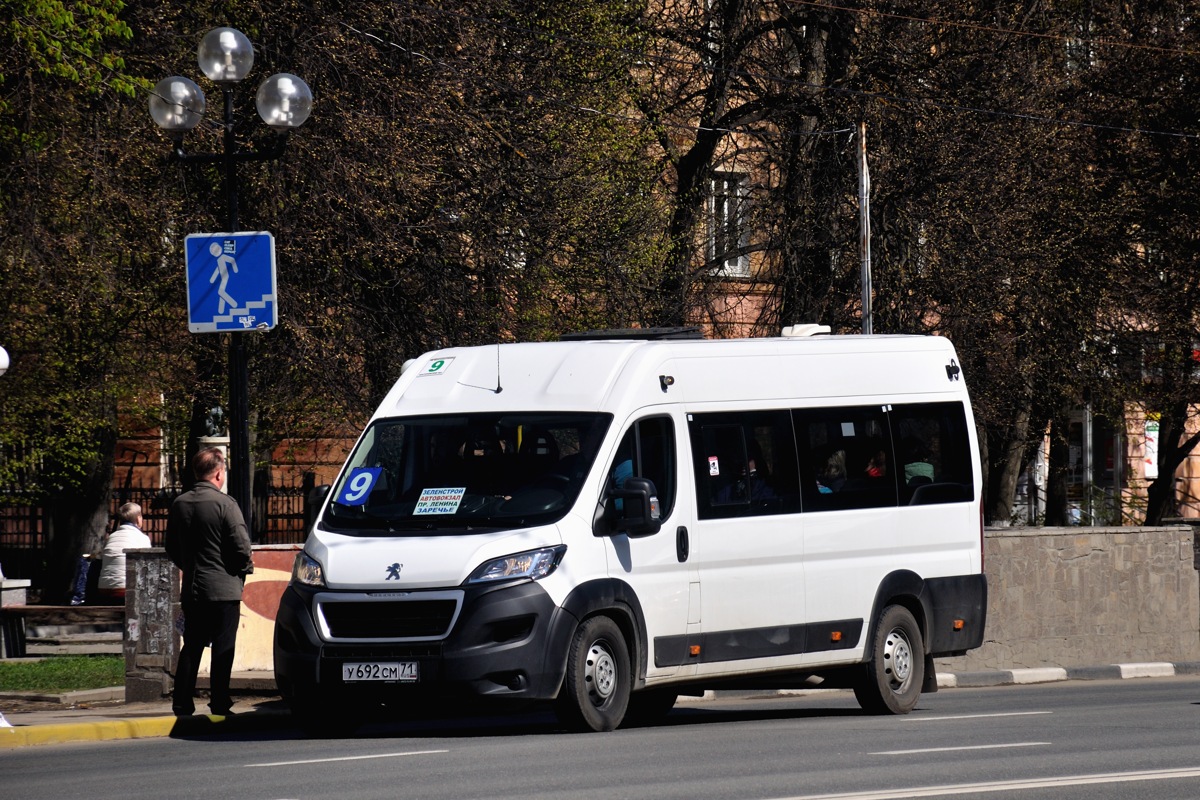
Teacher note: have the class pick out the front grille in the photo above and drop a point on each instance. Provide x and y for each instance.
(392, 619)
(383, 652)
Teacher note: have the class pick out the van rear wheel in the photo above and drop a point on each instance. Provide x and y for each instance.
(595, 691)
(891, 683)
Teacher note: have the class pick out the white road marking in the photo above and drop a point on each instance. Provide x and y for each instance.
(978, 716)
(1008, 786)
(953, 749)
(347, 758)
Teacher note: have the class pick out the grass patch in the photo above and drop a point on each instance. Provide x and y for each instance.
(58, 674)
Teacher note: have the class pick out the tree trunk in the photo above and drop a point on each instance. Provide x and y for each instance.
(1058, 471)
(1005, 471)
(77, 519)
(1173, 450)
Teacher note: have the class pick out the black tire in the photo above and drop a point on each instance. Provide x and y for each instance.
(891, 683)
(649, 706)
(595, 690)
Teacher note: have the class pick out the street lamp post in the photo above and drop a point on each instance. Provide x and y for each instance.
(177, 105)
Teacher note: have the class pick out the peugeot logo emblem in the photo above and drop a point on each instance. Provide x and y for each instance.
(393, 572)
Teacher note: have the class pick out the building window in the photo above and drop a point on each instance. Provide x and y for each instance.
(728, 229)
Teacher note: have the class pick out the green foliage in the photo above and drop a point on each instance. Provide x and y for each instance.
(69, 41)
(60, 674)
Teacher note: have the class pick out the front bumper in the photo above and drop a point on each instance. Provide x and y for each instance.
(503, 641)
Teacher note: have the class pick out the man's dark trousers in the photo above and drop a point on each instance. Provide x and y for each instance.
(204, 622)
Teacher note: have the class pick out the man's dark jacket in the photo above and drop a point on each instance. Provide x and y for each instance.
(208, 541)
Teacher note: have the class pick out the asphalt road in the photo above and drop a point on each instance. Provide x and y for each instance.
(1082, 739)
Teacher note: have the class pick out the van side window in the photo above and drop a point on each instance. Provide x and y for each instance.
(846, 458)
(934, 455)
(648, 451)
(745, 463)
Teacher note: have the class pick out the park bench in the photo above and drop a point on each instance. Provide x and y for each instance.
(16, 619)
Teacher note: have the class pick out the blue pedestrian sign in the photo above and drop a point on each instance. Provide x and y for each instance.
(231, 282)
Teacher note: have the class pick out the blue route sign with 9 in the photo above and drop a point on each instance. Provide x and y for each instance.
(231, 282)
(358, 486)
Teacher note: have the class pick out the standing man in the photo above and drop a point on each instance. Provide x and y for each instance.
(208, 541)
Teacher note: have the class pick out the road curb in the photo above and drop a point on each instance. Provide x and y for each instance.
(61, 733)
(142, 728)
(1009, 677)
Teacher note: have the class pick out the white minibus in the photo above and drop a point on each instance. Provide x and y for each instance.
(613, 520)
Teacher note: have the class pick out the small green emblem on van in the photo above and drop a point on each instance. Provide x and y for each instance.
(437, 366)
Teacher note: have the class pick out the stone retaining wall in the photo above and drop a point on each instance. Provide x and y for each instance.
(1076, 597)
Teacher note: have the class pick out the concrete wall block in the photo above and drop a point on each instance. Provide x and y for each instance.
(145, 688)
(1085, 597)
(151, 642)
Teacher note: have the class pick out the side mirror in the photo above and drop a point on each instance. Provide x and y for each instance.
(312, 503)
(639, 513)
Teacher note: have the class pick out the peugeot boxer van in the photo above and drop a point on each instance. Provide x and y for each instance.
(610, 522)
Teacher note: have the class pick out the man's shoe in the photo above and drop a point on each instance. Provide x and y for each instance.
(183, 712)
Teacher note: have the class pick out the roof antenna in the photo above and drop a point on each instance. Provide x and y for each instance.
(498, 388)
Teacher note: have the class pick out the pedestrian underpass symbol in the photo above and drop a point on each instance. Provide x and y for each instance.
(231, 282)
(225, 262)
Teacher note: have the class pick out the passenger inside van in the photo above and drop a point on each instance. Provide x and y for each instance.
(877, 465)
(832, 474)
(750, 487)
(917, 469)
(870, 476)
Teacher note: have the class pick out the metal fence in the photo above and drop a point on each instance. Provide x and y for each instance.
(278, 518)
(280, 515)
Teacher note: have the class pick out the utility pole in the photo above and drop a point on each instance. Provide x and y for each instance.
(864, 226)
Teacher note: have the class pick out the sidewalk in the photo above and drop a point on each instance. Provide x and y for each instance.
(101, 715)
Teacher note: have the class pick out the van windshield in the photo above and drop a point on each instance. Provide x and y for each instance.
(465, 471)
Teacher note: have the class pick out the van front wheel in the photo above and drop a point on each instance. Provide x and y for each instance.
(891, 683)
(595, 691)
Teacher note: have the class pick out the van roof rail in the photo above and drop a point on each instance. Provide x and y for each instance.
(807, 329)
(680, 332)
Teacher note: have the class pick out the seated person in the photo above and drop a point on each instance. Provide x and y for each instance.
(622, 471)
(126, 536)
(917, 469)
(877, 465)
(872, 476)
(750, 487)
(832, 475)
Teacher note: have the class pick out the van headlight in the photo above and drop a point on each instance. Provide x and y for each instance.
(307, 571)
(534, 565)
